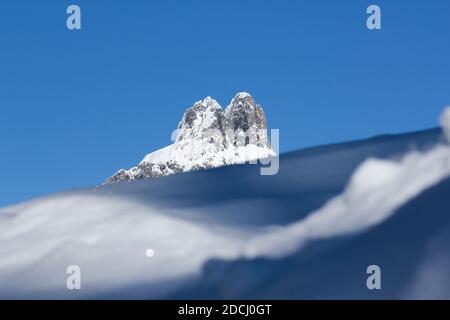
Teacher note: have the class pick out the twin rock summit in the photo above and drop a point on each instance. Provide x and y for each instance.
(208, 137)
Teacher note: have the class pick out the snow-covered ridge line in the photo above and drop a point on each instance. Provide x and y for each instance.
(208, 137)
(376, 189)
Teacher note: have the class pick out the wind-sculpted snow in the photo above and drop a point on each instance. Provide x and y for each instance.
(216, 233)
(107, 238)
(375, 190)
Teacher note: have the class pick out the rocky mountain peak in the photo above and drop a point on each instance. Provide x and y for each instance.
(208, 137)
(199, 120)
(246, 116)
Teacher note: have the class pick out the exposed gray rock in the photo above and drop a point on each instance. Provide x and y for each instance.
(207, 137)
(248, 120)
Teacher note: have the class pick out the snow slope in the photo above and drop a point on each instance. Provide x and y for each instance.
(308, 232)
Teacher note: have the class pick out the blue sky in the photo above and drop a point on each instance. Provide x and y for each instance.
(75, 106)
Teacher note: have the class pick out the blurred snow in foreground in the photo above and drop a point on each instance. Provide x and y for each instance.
(108, 236)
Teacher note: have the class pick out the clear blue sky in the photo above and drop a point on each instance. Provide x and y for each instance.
(75, 106)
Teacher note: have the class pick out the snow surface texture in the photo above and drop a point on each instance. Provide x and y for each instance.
(376, 189)
(108, 235)
(107, 238)
(208, 137)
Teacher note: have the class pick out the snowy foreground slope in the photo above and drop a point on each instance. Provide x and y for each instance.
(308, 232)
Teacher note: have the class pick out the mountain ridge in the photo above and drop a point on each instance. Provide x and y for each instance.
(208, 137)
(196, 223)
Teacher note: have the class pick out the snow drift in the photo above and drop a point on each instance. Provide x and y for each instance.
(375, 190)
(308, 232)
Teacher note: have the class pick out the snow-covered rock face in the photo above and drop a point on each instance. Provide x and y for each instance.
(445, 123)
(200, 118)
(201, 135)
(245, 116)
(208, 137)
